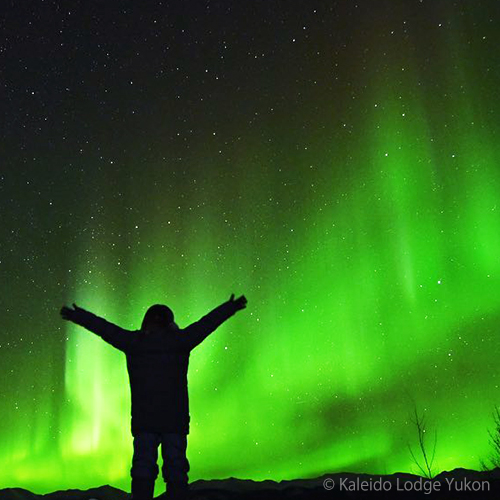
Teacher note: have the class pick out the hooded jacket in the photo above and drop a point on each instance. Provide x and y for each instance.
(157, 364)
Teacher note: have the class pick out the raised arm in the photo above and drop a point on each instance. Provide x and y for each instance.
(201, 329)
(118, 337)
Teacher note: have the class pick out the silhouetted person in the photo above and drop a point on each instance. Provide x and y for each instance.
(157, 362)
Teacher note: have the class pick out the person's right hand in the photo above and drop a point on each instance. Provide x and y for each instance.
(240, 302)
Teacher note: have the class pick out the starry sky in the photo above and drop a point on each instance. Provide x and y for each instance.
(337, 162)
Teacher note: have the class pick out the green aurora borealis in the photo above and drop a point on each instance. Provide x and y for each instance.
(361, 219)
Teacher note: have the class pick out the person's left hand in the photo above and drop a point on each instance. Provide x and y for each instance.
(70, 314)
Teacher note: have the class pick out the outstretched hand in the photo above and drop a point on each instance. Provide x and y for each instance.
(70, 314)
(240, 302)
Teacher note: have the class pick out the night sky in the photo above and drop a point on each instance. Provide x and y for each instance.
(337, 162)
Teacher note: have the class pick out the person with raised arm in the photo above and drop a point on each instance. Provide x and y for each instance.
(157, 363)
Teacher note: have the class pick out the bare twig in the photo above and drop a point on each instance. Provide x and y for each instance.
(494, 460)
(425, 464)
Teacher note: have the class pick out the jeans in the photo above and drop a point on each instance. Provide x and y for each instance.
(173, 449)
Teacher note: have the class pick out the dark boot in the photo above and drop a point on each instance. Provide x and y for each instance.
(177, 491)
(142, 488)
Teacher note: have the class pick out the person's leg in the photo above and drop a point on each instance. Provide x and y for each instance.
(144, 469)
(175, 464)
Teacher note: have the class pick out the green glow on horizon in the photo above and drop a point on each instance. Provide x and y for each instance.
(389, 295)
